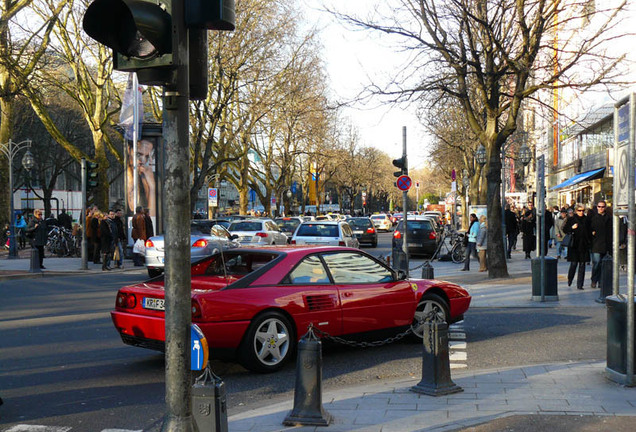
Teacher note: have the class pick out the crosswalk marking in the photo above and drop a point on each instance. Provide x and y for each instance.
(39, 428)
(457, 346)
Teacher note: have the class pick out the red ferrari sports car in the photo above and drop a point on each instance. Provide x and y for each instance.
(257, 303)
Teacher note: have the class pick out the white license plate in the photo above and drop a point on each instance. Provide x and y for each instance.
(357, 232)
(413, 245)
(154, 303)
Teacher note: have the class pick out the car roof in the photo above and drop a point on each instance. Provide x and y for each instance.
(322, 222)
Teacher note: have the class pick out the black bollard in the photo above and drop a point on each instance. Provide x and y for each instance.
(428, 272)
(605, 283)
(308, 409)
(436, 376)
(34, 266)
(209, 404)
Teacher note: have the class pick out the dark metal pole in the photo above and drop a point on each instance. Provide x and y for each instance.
(13, 248)
(178, 416)
(631, 242)
(83, 218)
(405, 244)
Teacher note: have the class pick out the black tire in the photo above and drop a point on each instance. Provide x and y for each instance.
(458, 254)
(272, 327)
(153, 272)
(429, 303)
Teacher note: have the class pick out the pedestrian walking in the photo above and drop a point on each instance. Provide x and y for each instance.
(512, 230)
(579, 249)
(20, 231)
(39, 233)
(65, 220)
(600, 233)
(559, 234)
(528, 225)
(150, 231)
(95, 234)
(108, 235)
(121, 240)
(138, 232)
(548, 222)
(482, 243)
(473, 230)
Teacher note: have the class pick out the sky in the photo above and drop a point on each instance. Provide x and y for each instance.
(352, 58)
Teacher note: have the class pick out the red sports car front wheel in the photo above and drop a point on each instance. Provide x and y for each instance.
(431, 307)
(268, 343)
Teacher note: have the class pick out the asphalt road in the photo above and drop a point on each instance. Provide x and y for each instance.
(62, 362)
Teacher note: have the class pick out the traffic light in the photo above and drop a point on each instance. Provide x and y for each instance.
(92, 178)
(140, 34)
(402, 164)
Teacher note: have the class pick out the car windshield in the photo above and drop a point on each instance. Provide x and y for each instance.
(359, 223)
(238, 263)
(287, 224)
(246, 226)
(317, 230)
(378, 217)
(417, 225)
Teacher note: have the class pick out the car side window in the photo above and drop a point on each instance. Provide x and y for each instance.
(308, 271)
(351, 267)
(346, 230)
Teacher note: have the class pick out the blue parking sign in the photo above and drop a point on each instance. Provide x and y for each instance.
(199, 352)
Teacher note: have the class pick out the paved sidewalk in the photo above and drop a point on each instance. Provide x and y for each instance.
(560, 389)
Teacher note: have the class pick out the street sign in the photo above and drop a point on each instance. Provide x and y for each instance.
(403, 183)
(213, 197)
(621, 171)
(294, 187)
(417, 184)
(199, 352)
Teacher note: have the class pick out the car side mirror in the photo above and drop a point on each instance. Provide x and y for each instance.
(401, 274)
(233, 236)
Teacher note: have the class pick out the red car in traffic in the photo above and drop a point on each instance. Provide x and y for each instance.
(256, 303)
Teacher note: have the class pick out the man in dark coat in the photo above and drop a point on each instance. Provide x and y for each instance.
(600, 231)
(579, 249)
(512, 231)
(108, 234)
(39, 233)
(548, 223)
(65, 220)
(121, 241)
(528, 223)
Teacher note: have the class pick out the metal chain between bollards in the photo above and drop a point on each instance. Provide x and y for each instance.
(312, 331)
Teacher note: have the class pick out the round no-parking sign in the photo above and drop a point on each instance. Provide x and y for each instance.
(404, 183)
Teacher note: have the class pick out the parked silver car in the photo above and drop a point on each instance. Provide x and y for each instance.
(206, 238)
(258, 232)
(325, 233)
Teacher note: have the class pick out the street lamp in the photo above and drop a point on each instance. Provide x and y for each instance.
(11, 150)
(480, 155)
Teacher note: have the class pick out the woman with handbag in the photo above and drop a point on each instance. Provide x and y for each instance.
(579, 249)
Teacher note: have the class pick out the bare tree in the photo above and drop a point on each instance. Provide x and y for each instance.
(490, 56)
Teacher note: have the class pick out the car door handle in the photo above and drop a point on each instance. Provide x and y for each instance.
(347, 294)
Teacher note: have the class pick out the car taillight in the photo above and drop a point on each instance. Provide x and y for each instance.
(293, 242)
(397, 235)
(201, 243)
(370, 230)
(196, 309)
(126, 300)
(432, 236)
(149, 243)
(261, 234)
(341, 243)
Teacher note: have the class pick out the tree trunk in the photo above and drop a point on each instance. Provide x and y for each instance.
(497, 266)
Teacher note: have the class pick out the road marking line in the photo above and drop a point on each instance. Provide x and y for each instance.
(457, 345)
(460, 355)
(454, 336)
(38, 428)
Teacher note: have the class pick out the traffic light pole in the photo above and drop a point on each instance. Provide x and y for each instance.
(84, 244)
(178, 317)
(405, 245)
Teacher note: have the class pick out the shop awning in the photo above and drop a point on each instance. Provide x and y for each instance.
(588, 175)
